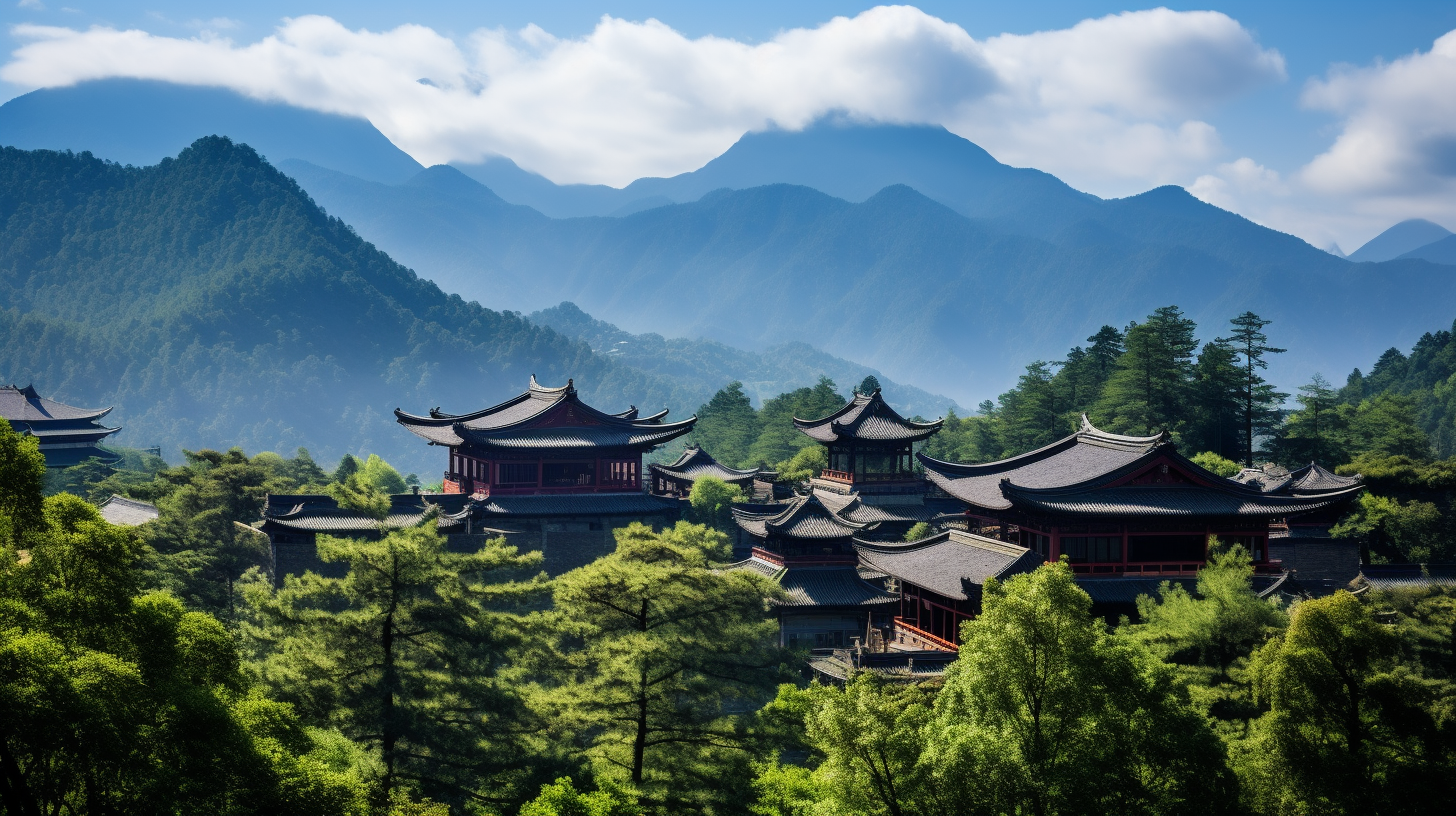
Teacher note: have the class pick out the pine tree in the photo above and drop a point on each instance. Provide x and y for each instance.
(869, 385)
(1214, 412)
(1259, 402)
(658, 650)
(727, 425)
(408, 654)
(1149, 389)
(1107, 346)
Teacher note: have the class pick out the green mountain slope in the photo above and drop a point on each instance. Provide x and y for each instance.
(213, 303)
(710, 365)
(899, 282)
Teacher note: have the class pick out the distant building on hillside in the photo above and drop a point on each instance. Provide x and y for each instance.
(550, 472)
(68, 436)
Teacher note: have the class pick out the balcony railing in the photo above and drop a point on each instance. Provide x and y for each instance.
(925, 636)
(836, 475)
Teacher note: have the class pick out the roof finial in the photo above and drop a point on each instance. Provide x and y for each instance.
(569, 384)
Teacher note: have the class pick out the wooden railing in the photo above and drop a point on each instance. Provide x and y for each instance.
(836, 475)
(925, 636)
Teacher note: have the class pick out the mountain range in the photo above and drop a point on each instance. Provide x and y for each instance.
(1412, 238)
(907, 249)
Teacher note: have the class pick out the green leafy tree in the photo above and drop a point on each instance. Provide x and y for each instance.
(1030, 413)
(1047, 712)
(409, 654)
(869, 385)
(661, 656)
(378, 474)
(1209, 460)
(778, 439)
(1258, 400)
(348, 466)
(1223, 622)
(727, 425)
(803, 465)
(1106, 346)
(1302, 437)
(871, 736)
(22, 482)
(712, 500)
(561, 798)
(918, 531)
(119, 703)
(1351, 728)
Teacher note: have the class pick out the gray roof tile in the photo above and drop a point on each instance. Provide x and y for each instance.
(125, 512)
(695, 463)
(869, 418)
(950, 562)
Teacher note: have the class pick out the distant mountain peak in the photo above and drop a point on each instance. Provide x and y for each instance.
(1407, 236)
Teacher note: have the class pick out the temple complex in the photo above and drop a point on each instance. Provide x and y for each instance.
(68, 436)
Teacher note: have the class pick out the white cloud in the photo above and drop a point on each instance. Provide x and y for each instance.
(1399, 130)
(1238, 180)
(31, 4)
(1109, 104)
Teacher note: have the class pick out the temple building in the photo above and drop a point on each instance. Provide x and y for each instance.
(1121, 506)
(293, 522)
(68, 436)
(677, 479)
(869, 449)
(809, 550)
(551, 473)
(939, 582)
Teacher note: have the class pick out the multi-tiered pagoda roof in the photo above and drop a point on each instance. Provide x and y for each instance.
(866, 418)
(67, 435)
(695, 463)
(544, 419)
(804, 518)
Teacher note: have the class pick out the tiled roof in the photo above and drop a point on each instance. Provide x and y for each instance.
(1408, 576)
(579, 504)
(695, 463)
(1121, 590)
(1170, 501)
(25, 405)
(853, 508)
(554, 418)
(830, 586)
(125, 512)
(321, 514)
(949, 562)
(758, 565)
(1314, 479)
(1087, 454)
(803, 517)
(1269, 481)
(869, 418)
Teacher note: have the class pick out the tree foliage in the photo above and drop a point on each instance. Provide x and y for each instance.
(408, 654)
(660, 658)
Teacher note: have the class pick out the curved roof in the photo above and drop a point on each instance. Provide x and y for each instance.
(322, 514)
(25, 405)
(695, 463)
(819, 586)
(1087, 454)
(126, 512)
(866, 418)
(804, 517)
(853, 508)
(1092, 473)
(948, 563)
(542, 417)
(1314, 479)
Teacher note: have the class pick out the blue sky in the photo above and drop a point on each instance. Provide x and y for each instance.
(1273, 126)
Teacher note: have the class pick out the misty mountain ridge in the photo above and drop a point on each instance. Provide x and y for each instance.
(1404, 240)
(953, 279)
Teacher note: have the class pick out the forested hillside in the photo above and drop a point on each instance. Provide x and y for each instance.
(214, 304)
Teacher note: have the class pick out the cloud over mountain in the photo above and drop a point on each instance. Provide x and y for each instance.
(1110, 104)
